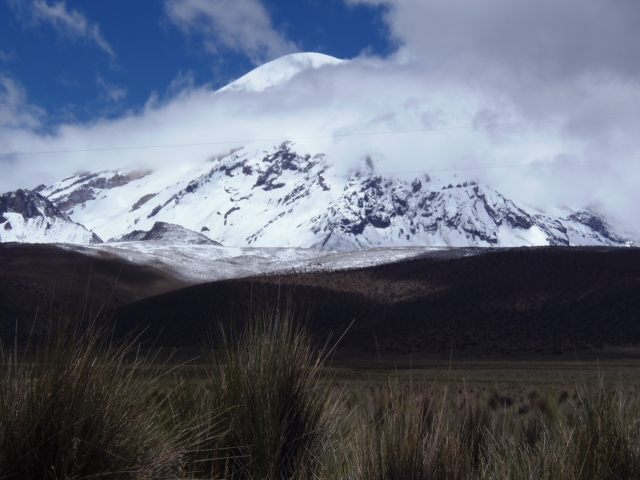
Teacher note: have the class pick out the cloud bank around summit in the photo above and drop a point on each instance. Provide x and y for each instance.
(472, 87)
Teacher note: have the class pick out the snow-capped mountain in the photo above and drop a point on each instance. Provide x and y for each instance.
(26, 216)
(286, 198)
(283, 198)
(280, 71)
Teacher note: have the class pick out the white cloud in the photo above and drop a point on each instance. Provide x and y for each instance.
(7, 56)
(68, 23)
(113, 92)
(569, 68)
(17, 118)
(15, 110)
(241, 25)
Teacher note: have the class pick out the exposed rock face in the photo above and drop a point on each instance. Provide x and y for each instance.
(281, 198)
(167, 232)
(27, 216)
(29, 204)
(91, 183)
(464, 215)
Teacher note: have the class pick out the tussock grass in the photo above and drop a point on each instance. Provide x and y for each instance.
(407, 433)
(281, 416)
(594, 435)
(77, 408)
(83, 407)
(404, 432)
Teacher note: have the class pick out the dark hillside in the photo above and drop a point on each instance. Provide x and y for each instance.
(542, 300)
(41, 281)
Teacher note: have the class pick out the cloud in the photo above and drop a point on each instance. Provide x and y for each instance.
(113, 92)
(68, 23)
(544, 39)
(240, 25)
(344, 110)
(549, 56)
(17, 118)
(567, 68)
(7, 56)
(15, 110)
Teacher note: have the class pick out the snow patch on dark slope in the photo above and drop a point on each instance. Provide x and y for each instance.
(282, 198)
(26, 216)
(203, 263)
(167, 232)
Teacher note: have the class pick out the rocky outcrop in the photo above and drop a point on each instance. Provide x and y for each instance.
(167, 232)
(27, 216)
(281, 197)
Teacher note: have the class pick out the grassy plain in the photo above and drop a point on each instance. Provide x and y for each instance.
(504, 397)
(269, 405)
(620, 366)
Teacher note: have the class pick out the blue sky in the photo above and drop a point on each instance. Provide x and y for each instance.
(551, 85)
(127, 50)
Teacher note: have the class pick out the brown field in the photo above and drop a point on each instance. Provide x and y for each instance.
(501, 373)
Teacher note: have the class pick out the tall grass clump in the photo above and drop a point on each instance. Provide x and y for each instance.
(281, 417)
(596, 435)
(193, 407)
(412, 434)
(607, 436)
(394, 436)
(80, 407)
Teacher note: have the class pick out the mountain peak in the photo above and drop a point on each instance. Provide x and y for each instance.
(280, 71)
(27, 216)
(282, 198)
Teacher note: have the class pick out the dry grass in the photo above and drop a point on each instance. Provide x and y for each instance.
(281, 417)
(264, 408)
(404, 432)
(78, 408)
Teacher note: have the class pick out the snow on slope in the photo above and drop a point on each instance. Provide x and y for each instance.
(280, 71)
(285, 199)
(206, 263)
(27, 216)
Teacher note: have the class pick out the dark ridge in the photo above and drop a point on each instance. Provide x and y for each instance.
(505, 302)
(538, 300)
(40, 282)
